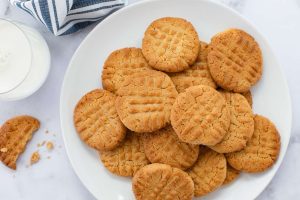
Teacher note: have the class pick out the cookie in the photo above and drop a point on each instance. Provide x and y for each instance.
(126, 159)
(197, 74)
(262, 149)
(209, 172)
(248, 96)
(200, 116)
(97, 122)
(170, 44)
(163, 146)
(241, 124)
(122, 63)
(235, 60)
(231, 175)
(162, 182)
(145, 100)
(14, 136)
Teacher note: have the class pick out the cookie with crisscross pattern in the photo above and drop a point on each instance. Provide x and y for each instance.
(163, 146)
(14, 136)
(235, 60)
(241, 124)
(126, 159)
(145, 100)
(170, 44)
(197, 74)
(261, 151)
(122, 63)
(209, 172)
(97, 122)
(200, 116)
(162, 182)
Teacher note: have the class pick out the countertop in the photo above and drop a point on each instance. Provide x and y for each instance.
(53, 177)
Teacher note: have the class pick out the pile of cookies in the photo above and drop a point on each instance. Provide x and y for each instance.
(176, 115)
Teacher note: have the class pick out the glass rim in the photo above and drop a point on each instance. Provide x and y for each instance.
(14, 23)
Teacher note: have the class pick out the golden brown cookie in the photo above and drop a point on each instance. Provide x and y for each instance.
(209, 172)
(163, 146)
(126, 159)
(200, 116)
(170, 44)
(241, 124)
(231, 175)
(145, 100)
(97, 122)
(248, 96)
(197, 74)
(262, 149)
(235, 60)
(122, 63)
(162, 182)
(14, 136)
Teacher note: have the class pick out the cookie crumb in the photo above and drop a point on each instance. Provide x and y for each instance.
(41, 144)
(47, 132)
(4, 150)
(49, 145)
(35, 157)
(48, 157)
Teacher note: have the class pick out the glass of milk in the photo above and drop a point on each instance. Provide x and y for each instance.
(24, 60)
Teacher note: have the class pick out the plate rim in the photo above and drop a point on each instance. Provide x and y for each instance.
(223, 6)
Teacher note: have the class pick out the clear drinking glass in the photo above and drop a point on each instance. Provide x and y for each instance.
(24, 60)
(15, 56)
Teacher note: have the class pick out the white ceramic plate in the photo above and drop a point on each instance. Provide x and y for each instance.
(125, 28)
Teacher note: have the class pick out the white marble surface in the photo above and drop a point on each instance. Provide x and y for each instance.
(278, 20)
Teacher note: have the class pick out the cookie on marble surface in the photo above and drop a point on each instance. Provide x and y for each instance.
(209, 172)
(127, 158)
(231, 175)
(200, 116)
(235, 60)
(97, 122)
(163, 146)
(122, 63)
(170, 44)
(261, 151)
(145, 100)
(14, 136)
(197, 74)
(162, 182)
(241, 124)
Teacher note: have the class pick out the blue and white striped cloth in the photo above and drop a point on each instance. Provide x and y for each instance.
(63, 17)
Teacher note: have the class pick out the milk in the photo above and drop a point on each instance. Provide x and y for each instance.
(24, 60)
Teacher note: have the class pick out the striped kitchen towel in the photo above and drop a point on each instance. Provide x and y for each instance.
(63, 17)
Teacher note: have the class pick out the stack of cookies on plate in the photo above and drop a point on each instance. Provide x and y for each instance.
(176, 115)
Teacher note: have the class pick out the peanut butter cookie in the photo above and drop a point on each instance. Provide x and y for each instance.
(200, 116)
(262, 149)
(197, 74)
(122, 63)
(235, 60)
(170, 44)
(231, 175)
(14, 136)
(163, 146)
(241, 124)
(145, 100)
(126, 159)
(209, 172)
(97, 122)
(162, 182)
